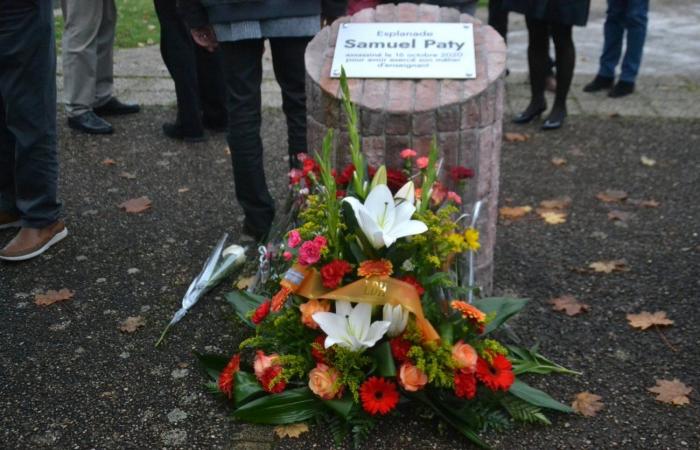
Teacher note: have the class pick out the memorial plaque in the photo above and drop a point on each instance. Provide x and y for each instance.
(405, 50)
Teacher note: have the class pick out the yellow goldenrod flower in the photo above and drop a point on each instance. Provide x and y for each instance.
(471, 235)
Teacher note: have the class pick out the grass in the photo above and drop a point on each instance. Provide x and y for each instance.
(137, 24)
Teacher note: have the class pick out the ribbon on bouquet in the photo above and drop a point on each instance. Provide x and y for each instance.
(376, 290)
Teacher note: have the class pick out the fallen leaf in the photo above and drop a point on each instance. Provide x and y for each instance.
(516, 137)
(673, 392)
(108, 162)
(651, 203)
(587, 404)
(136, 205)
(514, 212)
(131, 324)
(556, 203)
(183, 190)
(614, 115)
(557, 161)
(227, 150)
(245, 282)
(615, 265)
(648, 161)
(51, 297)
(293, 430)
(127, 175)
(569, 305)
(644, 320)
(616, 214)
(553, 217)
(611, 196)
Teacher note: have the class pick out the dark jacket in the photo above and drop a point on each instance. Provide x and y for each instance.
(567, 12)
(434, 2)
(198, 13)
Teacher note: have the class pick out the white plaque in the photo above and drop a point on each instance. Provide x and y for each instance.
(405, 50)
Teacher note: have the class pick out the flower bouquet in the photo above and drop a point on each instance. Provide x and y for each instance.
(365, 305)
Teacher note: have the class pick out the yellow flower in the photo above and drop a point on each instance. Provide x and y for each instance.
(471, 235)
(456, 241)
(434, 260)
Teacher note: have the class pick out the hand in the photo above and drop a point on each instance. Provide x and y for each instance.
(205, 37)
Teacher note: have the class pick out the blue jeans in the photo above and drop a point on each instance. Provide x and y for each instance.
(630, 16)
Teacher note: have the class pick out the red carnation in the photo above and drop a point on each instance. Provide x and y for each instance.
(339, 194)
(333, 273)
(269, 375)
(415, 283)
(497, 375)
(378, 395)
(261, 312)
(395, 179)
(465, 384)
(400, 348)
(459, 173)
(345, 176)
(318, 350)
(309, 165)
(226, 377)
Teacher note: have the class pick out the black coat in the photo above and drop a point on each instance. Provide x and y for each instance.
(568, 12)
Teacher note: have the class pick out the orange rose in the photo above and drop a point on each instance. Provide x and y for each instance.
(311, 307)
(411, 377)
(465, 356)
(263, 362)
(323, 381)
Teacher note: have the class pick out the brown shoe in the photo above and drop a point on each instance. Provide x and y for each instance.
(31, 242)
(9, 220)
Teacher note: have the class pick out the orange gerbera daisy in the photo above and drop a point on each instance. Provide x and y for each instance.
(375, 268)
(468, 311)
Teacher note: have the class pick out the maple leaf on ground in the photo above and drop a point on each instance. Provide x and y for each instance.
(616, 214)
(587, 404)
(108, 162)
(50, 297)
(131, 324)
(615, 265)
(645, 319)
(136, 205)
(569, 305)
(612, 196)
(557, 161)
(556, 203)
(673, 392)
(293, 430)
(516, 137)
(552, 217)
(514, 212)
(647, 161)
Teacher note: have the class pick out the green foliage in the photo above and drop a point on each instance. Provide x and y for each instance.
(522, 411)
(244, 303)
(351, 366)
(294, 366)
(529, 360)
(313, 217)
(487, 348)
(500, 308)
(283, 333)
(435, 360)
(359, 183)
(537, 397)
(290, 406)
(361, 427)
(338, 427)
(331, 205)
(429, 177)
(484, 415)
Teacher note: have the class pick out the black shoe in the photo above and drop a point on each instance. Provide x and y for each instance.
(214, 125)
(257, 234)
(555, 120)
(175, 131)
(114, 107)
(90, 123)
(529, 114)
(599, 83)
(621, 89)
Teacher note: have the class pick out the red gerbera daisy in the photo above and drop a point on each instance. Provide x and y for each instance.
(267, 378)
(400, 348)
(465, 384)
(261, 312)
(497, 375)
(379, 395)
(226, 376)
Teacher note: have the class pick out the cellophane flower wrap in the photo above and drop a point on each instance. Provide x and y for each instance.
(365, 305)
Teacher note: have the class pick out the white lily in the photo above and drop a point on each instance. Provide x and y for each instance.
(407, 193)
(383, 221)
(350, 327)
(397, 316)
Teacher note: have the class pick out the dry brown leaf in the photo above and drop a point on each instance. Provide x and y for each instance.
(514, 212)
(651, 203)
(612, 196)
(569, 305)
(615, 265)
(614, 115)
(293, 430)
(131, 324)
(587, 404)
(108, 162)
(182, 190)
(553, 217)
(516, 137)
(127, 175)
(556, 203)
(616, 214)
(245, 282)
(673, 392)
(51, 297)
(648, 161)
(136, 205)
(645, 319)
(557, 161)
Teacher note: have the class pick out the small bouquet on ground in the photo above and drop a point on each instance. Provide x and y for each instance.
(366, 306)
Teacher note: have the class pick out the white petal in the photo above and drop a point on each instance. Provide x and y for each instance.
(343, 309)
(331, 341)
(403, 213)
(377, 199)
(359, 320)
(370, 229)
(331, 324)
(408, 229)
(407, 193)
(376, 331)
(355, 205)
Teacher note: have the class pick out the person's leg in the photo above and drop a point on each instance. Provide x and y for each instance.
(104, 85)
(636, 24)
(9, 214)
(211, 89)
(565, 61)
(498, 18)
(243, 74)
(288, 63)
(537, 58)
(614, 30)
(468, 8)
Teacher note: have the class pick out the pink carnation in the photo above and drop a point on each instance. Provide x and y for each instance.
(287, 256)
(302, 156)
(422, 162)
(293, 239)
(309, 253)
(320, 241)
(454, 197)
(408, 153)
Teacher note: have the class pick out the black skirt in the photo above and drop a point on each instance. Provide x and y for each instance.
(567, 12)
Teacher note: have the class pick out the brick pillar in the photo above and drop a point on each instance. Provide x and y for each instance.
(464, 115)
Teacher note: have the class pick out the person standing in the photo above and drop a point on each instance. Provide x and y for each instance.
(198, 78)
(28, 155)
(622, 16)
(239, 28)
(88, 82)
(545, 19)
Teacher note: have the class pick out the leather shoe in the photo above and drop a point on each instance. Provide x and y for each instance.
(599, 83)
(555, 120)
(214, 125)
(90, 123)
(9, 220)
(32, 242)
(621, 89)
(114, 107)
(175, 131)
(529, 115)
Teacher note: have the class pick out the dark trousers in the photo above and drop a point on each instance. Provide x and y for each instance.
(498, 17)
(629, 16)
(243, 74)
(197, 73)
(28, 155)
